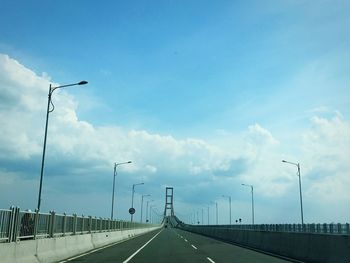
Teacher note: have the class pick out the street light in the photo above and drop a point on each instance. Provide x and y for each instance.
(202, 216)
(208, 215)
(114, 175)
(49, 102)
(229, 202)
(216, 211)
(150, 213)
(132, 197)
(142, 204)
(252, 188)
(149, 201)
(301, 198)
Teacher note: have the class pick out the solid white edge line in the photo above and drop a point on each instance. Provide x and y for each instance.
(93, 251)
(193, 246)
(137, 251)
(212, 261)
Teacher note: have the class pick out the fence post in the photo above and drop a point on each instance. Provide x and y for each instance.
(90, 224)
(36, 223)
(52, 228)
(339, 228)
(16, 225)
(324, 230)
(74, 224)
(11, 228)
(64, 223)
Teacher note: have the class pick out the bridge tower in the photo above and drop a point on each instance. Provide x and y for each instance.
(169, 197)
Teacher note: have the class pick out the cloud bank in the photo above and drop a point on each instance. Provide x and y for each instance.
(80, 157)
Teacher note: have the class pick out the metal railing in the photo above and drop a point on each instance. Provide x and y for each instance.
(21, 225)
(336, 229)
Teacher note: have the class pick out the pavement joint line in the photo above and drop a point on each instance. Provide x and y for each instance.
(212, 261)
(194, 247)
(137, 251)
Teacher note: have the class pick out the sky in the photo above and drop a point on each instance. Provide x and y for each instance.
(201, 96)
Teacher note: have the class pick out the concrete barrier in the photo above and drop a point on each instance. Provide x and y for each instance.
(60, 248)
(307, 247)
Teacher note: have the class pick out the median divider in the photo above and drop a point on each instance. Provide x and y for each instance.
(59, 248)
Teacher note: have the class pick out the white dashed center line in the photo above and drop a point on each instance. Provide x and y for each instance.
(186, 240)
(212, 261)
(193, 246)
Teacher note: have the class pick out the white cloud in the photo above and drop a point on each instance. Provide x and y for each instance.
(327, 149)
(81, 155)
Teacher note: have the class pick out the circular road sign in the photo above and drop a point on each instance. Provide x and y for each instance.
(132, 211)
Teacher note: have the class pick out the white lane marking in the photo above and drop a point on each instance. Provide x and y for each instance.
(137, 251)
(92, 251)
(212, 261)
(186, 240)
(193, 246)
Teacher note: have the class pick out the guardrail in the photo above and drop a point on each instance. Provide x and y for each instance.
(337, 229)
(333, 228)
(21, 225)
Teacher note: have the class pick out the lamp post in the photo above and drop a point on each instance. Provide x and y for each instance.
(114, 175)
(216, 211)
(132, 198)
(202, 216)
(208, 215)
(142, 204)
(301, 198)
(149, 201)
(252, 190)
(229, 202)
(49, 102)
(150, 214)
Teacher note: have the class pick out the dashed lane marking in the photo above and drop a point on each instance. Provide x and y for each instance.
(186, 240)
(212, 261)
(194, 247)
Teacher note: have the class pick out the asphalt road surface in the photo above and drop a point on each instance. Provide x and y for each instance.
(172, 245)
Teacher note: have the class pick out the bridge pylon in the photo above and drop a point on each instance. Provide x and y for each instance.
(169, 198)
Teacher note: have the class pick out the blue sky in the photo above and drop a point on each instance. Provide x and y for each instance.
(200, 95)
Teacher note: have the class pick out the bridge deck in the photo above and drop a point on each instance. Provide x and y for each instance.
(174, 245)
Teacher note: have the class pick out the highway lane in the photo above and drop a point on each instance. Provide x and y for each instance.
(174, 245)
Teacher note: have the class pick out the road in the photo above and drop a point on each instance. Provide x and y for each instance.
(172, 246)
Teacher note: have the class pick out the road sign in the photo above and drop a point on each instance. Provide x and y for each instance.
(132, 211)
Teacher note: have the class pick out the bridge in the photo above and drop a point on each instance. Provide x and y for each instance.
(49, 237)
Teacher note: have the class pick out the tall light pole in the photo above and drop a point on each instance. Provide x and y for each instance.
(114, 175)
(252, 190)
(132, 197)
(150, 213)
(142, 204)
(216, 211)
(49, 102)
(208, 215)
(149, 201)
(202, 216)
(229, 202)
(301, 198)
